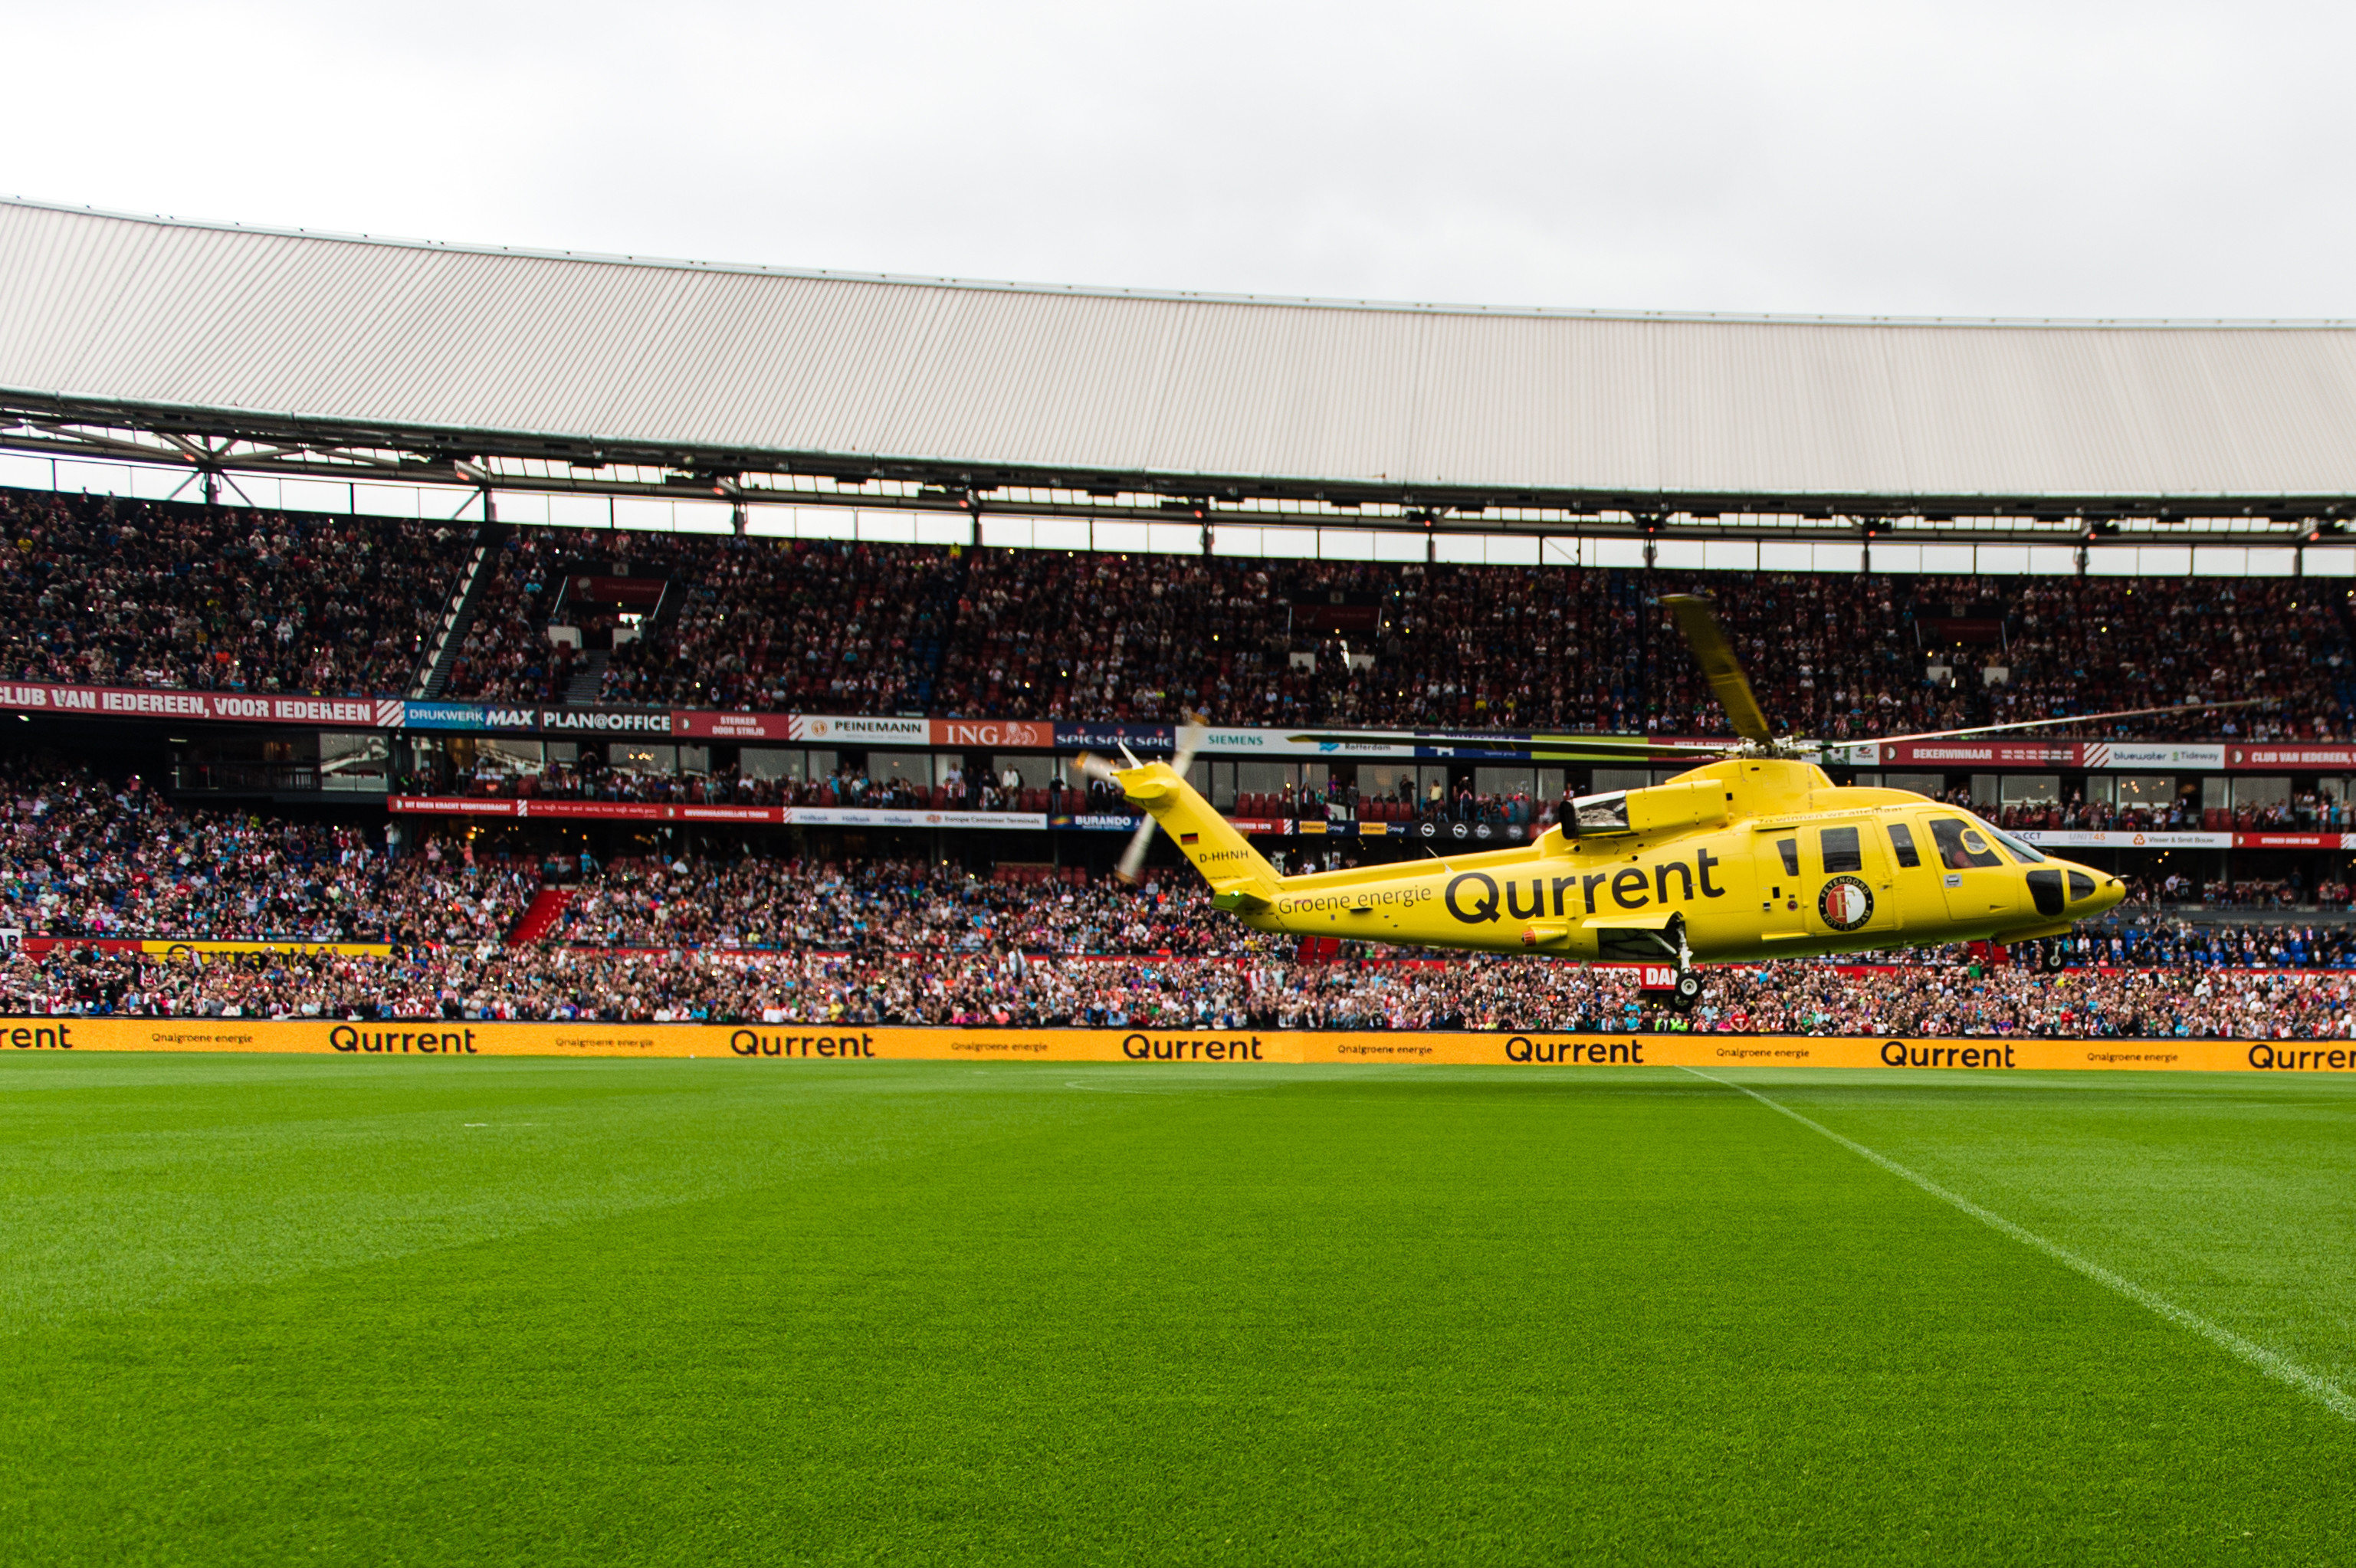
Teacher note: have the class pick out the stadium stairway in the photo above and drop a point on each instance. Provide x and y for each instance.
(588, 678)
(434, 679)
(539, 916)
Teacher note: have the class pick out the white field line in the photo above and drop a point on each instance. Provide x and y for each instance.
(2322, 1389)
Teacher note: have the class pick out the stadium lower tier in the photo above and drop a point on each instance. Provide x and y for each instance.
(1003, 989)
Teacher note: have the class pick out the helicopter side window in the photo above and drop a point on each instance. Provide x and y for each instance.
(1901, 839)
(1961, 845)
(1842, 852)
(1790, 849)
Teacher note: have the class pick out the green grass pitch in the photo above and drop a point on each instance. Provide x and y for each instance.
(499, 1311)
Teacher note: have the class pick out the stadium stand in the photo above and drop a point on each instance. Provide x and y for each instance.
(82, 857)
(116, 593)
(1046, 634)
(154, 593)
(487, 981)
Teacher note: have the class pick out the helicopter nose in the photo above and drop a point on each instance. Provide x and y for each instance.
(2092, 892)
(2064, 889)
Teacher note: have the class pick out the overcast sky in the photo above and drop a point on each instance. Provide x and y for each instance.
(2046, 159)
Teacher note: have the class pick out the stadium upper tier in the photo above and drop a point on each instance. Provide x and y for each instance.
(443, 354)
(105, 592)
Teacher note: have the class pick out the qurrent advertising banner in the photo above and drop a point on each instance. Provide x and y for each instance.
(846, 1047)
(158, 702)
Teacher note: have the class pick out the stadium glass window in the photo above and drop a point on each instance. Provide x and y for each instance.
(1962, 844)
(1263, 778)
(912, 768)
(1502, 782)
(1789, 848)
(2031, 789)
(642, 757)
(1841, 850)
(1916, 783)
(770, 762)
(354, 762)
(1033, 768)
(1901, 840)
(2261, 792)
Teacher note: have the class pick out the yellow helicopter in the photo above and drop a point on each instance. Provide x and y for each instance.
(1756, 854)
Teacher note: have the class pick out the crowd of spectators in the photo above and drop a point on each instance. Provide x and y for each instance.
(490, 982)
(2309, 811)
(1046, 634)
(82, 857)
(741, 624)
(106, 592)
(892, 906)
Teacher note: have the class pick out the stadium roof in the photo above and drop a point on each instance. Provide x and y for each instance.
(182, 335)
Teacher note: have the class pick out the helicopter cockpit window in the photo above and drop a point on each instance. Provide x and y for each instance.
(1841, 850)
(1962, 844)
(2026, 854)
(1901, 838)
(1790, 849)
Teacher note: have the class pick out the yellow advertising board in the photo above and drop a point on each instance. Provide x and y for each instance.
(1537, 1050)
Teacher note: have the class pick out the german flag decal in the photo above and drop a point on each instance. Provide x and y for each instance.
(1188, 838)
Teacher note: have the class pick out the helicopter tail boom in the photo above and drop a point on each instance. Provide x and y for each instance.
(1240, 876)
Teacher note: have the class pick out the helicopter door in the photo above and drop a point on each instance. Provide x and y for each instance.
(1775, 858)
(1851, 893)
(1978, 887)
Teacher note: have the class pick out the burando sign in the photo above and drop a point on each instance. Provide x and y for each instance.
(818, 1043)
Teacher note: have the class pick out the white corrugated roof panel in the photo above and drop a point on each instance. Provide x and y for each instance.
(151, 313)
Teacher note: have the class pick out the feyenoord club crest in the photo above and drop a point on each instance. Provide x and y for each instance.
(1845, 903)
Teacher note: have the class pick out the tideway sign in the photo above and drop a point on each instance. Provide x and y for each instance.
(848, 1046)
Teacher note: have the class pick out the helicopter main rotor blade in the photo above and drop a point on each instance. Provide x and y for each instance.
(1132, 859)
(1697, 619)
(1606, 748)
(2049, 723)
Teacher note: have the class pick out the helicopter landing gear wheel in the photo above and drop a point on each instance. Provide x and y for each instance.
(1687, 990)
